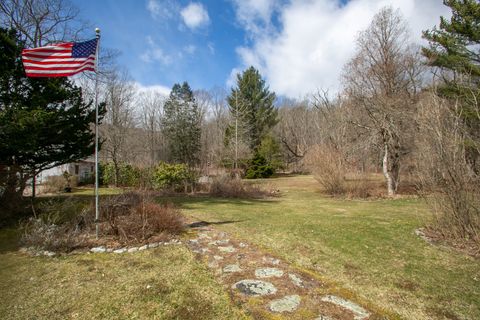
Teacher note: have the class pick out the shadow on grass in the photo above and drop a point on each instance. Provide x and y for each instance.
(203, 223)
(183, 201)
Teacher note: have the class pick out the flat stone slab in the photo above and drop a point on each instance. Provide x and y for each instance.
(228, 249)
(231, 268)
(285, 304)
(219, 242)
(296, 280)
(271, 260)
(255, 287)
(100, 249)
(268, 273)
(359, 312)
(121, 250)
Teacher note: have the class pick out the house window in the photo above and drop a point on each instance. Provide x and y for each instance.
(76, 169)
(91, 168)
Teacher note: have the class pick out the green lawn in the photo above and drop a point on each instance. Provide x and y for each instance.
(367, 247)
(100, 286)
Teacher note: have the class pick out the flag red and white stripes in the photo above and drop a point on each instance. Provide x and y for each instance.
(60, 60)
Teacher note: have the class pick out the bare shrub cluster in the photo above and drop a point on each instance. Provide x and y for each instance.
(226, 186)
(328, 167)
(59, 226)
(135, 217)
(68, 224)
(448, 179)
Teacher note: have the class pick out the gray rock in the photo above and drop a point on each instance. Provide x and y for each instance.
(285, 304)
(145, 247)
(271, 260)
(204, 236)
(221, 234)
(268, 273)
(296, 280)
(121, 250)
(219, 242)
(218, 258)
(242, 245)
(49, 253)
(109, 250)
(132, 249)
(322, 317)
(153, 245)
(100, 249)
(193, 241)
(228, 249)
(359, 312)
(255, 287)
(231, 268)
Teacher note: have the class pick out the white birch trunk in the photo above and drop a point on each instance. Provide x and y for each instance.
(388, 176)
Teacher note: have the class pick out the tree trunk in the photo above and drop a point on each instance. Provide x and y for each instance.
(391, 170)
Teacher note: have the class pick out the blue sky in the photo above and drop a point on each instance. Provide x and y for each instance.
(160, 49)
(298, 46)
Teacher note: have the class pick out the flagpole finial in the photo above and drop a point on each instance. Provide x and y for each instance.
(97, 31)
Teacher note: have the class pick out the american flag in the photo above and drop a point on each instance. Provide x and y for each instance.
(60, 60)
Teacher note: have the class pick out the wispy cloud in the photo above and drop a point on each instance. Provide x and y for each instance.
(165, 9)
(155, 53)
(190, 49)
(195, 16)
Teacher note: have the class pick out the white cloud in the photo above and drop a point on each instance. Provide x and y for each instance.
(195, 16)
(255, 15)
(165, 9)
(232, 78)
(155, 53)
(316, 38)
(162, 90)
(190, 49)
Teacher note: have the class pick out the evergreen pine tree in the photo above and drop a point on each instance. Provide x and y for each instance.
(252, 103)
(181, 125)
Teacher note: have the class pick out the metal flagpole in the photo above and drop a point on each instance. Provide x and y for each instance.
(97, 214)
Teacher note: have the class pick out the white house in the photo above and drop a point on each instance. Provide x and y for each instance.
(82, 169)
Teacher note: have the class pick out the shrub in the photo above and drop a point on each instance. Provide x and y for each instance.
(66, 224)
(258, 167)
(226, 186)
(134, 216)
(128, 175)
(173, 176)
(57, 227)
(328, 167)
(447, 177)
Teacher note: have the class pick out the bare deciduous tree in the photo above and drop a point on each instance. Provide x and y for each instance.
(42, 21)
(151, 109)
(383, 79)
(119, 93)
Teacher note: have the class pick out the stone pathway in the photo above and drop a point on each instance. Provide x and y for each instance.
(267, 286)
